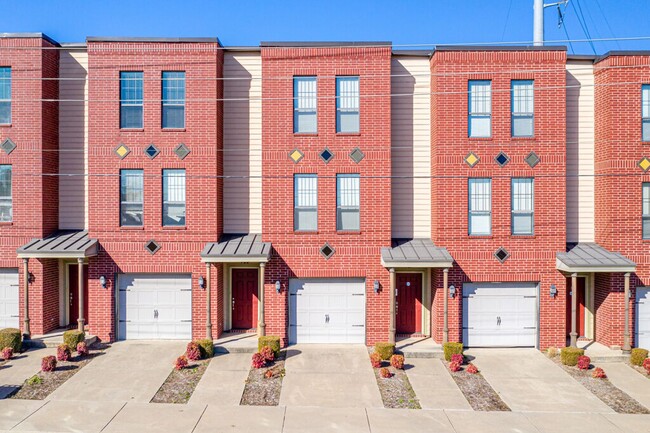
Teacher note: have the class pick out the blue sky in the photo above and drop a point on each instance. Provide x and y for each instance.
(244, 22)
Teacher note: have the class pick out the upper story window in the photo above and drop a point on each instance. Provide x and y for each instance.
(173, 99)
(131, 197)
(173, 197)
(347, 104)
(6, 201)
(480, 206)
(480, 108)
(523, 206)
(131, 100)
(645, 111)
(5, 95)
(523, 108)
(645, 218)
(347, 202)
(305, 97)
(305, 202)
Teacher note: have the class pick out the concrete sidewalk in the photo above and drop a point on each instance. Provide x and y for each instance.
(23, 366)
(433, 385)
(629, 381)
(223, 382)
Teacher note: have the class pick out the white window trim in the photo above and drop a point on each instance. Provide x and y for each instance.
(297, 208)
(471, 212)
(514, 212)
(522, 115)
(478, 115)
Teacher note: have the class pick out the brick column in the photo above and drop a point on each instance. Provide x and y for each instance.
(445, 297)
(208, 302)
(574, 309)
(26, 332)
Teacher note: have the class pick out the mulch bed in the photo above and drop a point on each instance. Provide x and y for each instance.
(605, 390)
(261, 390)
(180, 384)
(635, 367)
(478, 392)
(396, 391)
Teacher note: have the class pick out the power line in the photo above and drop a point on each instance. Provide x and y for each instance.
(607, 22)
(583, 24)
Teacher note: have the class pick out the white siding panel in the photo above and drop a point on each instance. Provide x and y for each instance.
(580, 151)
(242, 194)
(73, 139)
(411, 147)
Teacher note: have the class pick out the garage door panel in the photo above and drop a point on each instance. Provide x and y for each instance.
(642, 327)
(9, 306)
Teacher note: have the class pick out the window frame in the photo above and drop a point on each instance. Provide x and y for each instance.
(296, 103)
(645, 196)
(530, 212)
(297, 209)
(645, 105)
(471, 213)
(523, 115)
(165, 176)
(478, 115)
(123, 174)
(340, 209)
(131, 102)
(11, 192)
(7, 99)
(339, 110)
(167, 102)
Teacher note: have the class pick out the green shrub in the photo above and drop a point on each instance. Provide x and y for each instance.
(570, 355)
(73, 337)
(206, 346)
(385, 350)
(637, 356)
(552, 352)
(452, 349)
(11, 337)
(271, 341)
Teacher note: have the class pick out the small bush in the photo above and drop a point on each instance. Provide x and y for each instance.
(181, 362)
(458, 358)
(272, 341)
(7, 353)
(193, 351)
(454, 366)
(34, 380)
(11, 337)
(599, 373)
(584, 362)
(471, 369)
(637, 356)
(397, 361)
(646, 365)
(207, 348)
(552, 352)
(258, 360)
(63, 353)
(48, 363)
(268, 354)
(452, 348)
(375, 360)
(385, 350)
(73, 337)
(82, 349)
(570, 355)
(385, 373)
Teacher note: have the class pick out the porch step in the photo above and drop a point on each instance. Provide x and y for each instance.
(601, 359)
(438, 354)
(52, 341)
(234, 349)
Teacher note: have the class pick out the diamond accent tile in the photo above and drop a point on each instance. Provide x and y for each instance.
(152, 246)
(122, 150)
(151, 151)
(532, 159)
(296, 155)
(327, 251)
(501, 254)
(357, 155)
(326, 155)
(471, 159)
(644, 164)
(8, 146)
(182, 151)
(502, 159)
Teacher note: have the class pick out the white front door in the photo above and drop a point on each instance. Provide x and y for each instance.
(327, 311)
(500, 314)
(642, 328)
(155, 306)
(9, 298)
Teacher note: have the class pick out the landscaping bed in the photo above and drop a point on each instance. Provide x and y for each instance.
(180, 384)
(263, 385)
(479, 393)
(635, 367)
(396, 391)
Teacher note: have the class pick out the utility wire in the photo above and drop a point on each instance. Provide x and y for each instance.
(505, 25)
(583, 24)
(618, 45)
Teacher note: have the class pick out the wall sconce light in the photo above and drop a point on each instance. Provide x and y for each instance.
(30, 278)
(375, 286)
(102, 281)
(202, 282)
(553, 291)
(452, 291)
(277, 286)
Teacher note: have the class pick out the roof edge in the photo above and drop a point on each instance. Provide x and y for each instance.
(324, 44)
(145, 39)
(622, 53)
(499, 48)
(38, 35)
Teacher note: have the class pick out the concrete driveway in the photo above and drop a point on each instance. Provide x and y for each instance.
(332, 376)
(21, 367)
(527, 380)
(127, 371)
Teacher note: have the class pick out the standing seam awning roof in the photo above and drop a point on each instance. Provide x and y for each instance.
(418, 253)
(60, 245)
(591, 257)
(237, 248)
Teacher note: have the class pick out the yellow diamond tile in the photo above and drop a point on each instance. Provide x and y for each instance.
(471, 159)
(644, 164)
(296, 155)
(122, 151)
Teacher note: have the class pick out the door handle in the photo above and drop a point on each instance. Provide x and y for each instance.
(233, 305)
(155, 314)
(327, 318)
(498, 320)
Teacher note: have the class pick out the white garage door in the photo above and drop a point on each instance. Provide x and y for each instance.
(500, 314)
(642, 337)
(155, 306)
(9, 298)
(327, 311)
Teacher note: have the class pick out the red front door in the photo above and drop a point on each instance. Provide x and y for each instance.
(580, 312)
(244, 298)
(73, 289)
(409, 303)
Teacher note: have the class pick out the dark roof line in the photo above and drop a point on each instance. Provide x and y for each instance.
(622, 53)
(500, 48)
(322, 44)
(30, 35)
(150, 39)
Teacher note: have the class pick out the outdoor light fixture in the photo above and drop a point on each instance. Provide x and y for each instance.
(375, 286)
(452, 291)
(202, 282)
(277, 286)
(102, 281)
(553, 291)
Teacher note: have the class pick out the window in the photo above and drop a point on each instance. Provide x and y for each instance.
(523, 108)
(6, 202)
(173, 197)
(645, 111)
(5, 95)
(347, 104)
(131, 197)
(347, 202)
(480, 206)
(646, 210)
(131, 104)
(305, 202)
(480, 108)
(304, 105)
(173, 99)
(523, 207)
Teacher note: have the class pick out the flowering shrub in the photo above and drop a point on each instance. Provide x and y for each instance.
(458, 358)
(193, 351)
(471, 369)
(598, 373)
(646, 365)
(397, 361)
(258, 360)
(63, 353)
(454, 366)
(375, 360)
(181, 362)
(385, 373)
(82, 349)
(583, 362)
(48, 363)
(267, 353)
(7, 353)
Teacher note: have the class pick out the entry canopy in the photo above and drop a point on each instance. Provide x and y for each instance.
(591, 257)
(237, 248)
(60, 245)
(415, 253)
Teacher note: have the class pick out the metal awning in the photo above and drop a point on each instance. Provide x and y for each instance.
(415, 253)
(60, 245)
(237, 248)
(591, 257)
